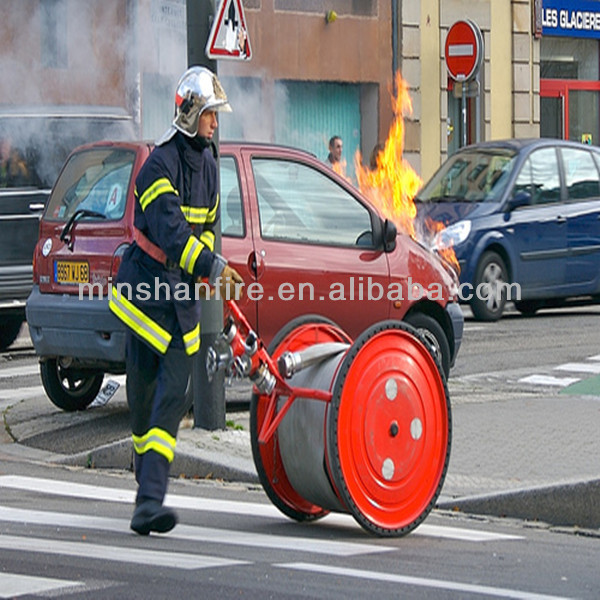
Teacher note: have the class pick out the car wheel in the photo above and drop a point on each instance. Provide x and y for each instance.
(9, 330)
(435, 337)
(527, 308)
(67, 389)
(490, 288)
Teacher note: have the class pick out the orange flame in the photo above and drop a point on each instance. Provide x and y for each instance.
(447, 254)
(391, 184)
(340, 168)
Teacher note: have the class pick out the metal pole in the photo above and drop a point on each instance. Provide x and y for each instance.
(209, 396)
(464, 113)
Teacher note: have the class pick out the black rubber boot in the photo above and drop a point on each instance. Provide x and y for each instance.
(150, 515)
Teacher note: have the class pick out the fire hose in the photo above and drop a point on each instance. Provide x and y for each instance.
(336, 425)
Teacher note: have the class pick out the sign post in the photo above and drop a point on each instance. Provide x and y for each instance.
(464, 55)
(208, 396)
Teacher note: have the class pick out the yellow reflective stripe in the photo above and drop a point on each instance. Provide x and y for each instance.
(160, 186)
(191, 340)
(190, 254)
(145, 327)
(212, 214)
(199, 215)
(195, 215)
(208, 239)
(156, 439)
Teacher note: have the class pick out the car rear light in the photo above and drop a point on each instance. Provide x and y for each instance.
(36, 275)
(116, 260)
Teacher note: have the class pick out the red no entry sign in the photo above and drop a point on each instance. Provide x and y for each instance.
(464, 49)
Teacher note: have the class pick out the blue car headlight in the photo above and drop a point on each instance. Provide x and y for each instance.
(452, 235)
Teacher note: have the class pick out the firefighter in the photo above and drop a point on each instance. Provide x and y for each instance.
(177, 208)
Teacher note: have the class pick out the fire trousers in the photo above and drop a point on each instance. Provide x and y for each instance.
(156, 395)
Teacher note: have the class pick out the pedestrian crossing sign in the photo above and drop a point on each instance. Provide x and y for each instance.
(229, 35)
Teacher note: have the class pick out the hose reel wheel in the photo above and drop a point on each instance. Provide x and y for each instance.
(389, 429)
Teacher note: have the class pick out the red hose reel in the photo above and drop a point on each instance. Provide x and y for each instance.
(361, 427)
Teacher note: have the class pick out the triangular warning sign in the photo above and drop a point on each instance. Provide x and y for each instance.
(229, 35)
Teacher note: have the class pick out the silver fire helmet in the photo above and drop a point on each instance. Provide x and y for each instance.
(198, 90)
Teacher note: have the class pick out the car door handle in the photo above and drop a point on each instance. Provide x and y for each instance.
(36, 206)
(561, 219)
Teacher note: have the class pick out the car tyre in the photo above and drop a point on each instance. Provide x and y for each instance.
(432, 332)
(9, 330)
(490, 280)
(67, 390)
(527, 308)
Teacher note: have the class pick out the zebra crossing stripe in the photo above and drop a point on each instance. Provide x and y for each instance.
(159, 558)
(195, 533)
(13, 585)
(252, 509)
(440, 584)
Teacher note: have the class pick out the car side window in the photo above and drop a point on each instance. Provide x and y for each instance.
(299, 203)
(581, 174)
(540, 177)
(232, 214)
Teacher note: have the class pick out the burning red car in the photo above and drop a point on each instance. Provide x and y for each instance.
(303, 238)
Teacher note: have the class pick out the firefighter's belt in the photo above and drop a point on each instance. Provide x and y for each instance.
(149, 247)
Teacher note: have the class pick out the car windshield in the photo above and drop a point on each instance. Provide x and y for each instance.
(93, 180)
(473, 175)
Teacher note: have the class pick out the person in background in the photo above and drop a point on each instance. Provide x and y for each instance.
(177, 208)
(13, 169)
(336, 146)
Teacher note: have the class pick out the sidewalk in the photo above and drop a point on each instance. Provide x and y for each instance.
(514, 454)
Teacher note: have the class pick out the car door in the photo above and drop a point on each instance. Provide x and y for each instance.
(20, 211)
(236, 226)
(537, 232)
(582, 184)
(313, 247)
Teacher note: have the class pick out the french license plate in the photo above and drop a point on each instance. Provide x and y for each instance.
(66, 271)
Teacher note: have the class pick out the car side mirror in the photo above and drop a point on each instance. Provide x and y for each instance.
(521, 198)
(389, 236)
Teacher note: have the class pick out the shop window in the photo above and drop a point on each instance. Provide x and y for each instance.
(569, 58)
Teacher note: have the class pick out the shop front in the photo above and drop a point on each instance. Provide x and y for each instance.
(570, 70)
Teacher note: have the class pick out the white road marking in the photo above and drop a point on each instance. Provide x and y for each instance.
(440, 584)
(194, 533)
(549, 380)
(253, 509)
(159, 558)
(20, 371)
(579, 367)
(13, 585)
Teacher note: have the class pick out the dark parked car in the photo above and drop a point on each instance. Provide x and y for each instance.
(304, 240)
(523, 216)
(34, 144)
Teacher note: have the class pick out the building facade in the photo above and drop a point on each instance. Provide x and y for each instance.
(311, 77)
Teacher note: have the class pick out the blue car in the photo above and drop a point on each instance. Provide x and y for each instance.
(523, 217)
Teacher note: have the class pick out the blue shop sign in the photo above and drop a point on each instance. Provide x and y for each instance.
(571, 18)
